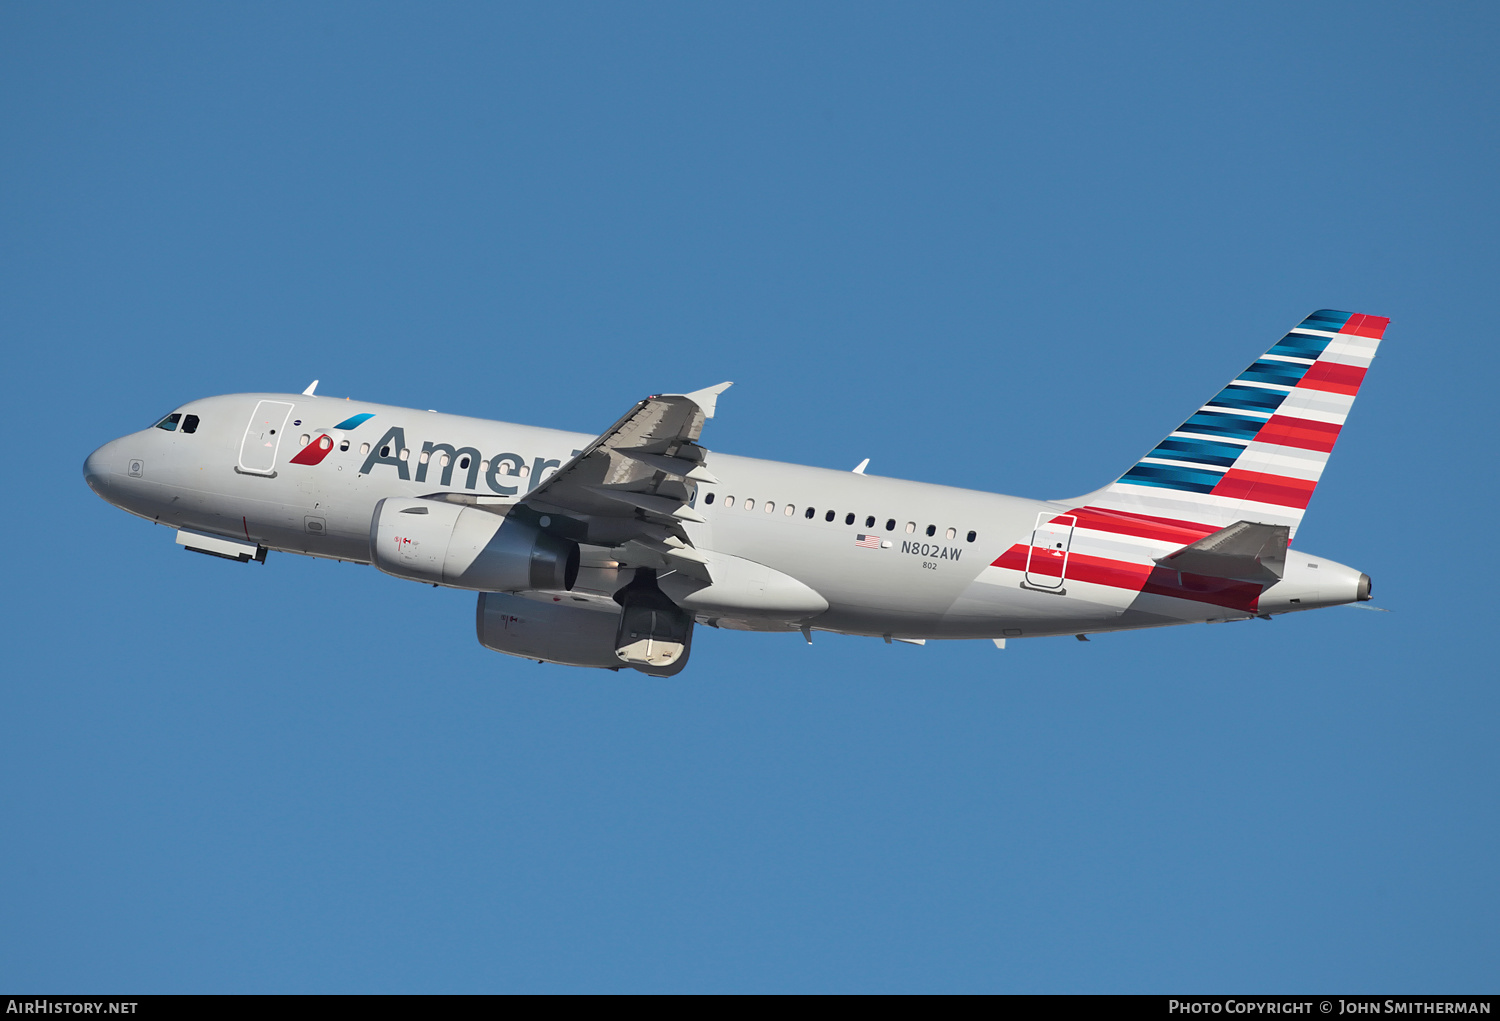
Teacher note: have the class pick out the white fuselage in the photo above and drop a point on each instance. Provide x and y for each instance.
(900, 559)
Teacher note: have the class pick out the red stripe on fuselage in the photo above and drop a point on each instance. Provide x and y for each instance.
(1287, 431)
(1148, 578)
(1280, 490)
(1013, 559)
(1143, 526)
(1333, 377)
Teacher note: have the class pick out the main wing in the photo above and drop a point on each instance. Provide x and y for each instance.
(633, 487)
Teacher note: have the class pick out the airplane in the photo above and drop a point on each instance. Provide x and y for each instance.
(605, 551)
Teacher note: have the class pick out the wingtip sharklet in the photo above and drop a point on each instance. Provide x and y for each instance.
(707, 397)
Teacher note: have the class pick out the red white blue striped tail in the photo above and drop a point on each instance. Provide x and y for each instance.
(1256, 450)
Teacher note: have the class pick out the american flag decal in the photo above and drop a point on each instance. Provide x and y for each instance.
(867, 541)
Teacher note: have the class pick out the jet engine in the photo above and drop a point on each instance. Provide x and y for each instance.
(468, 547)
(551, 632)
(648, 632)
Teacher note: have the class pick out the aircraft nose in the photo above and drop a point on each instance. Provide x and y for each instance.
(97, 466)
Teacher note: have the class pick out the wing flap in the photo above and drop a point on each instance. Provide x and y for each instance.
(680, 466)
(666, 506)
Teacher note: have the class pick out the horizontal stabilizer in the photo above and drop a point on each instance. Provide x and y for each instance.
(1245, 551)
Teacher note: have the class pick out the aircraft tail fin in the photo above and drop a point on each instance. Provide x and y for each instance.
(1256, 450)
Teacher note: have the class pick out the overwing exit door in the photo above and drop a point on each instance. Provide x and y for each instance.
(1047, 558)
(263, 438)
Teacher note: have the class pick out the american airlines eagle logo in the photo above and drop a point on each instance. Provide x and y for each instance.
(314, 452)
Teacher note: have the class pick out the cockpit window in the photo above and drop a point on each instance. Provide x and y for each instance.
(170, 422)
(190, 423)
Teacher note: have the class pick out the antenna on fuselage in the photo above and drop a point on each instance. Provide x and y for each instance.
(860, 468)
(310, 388)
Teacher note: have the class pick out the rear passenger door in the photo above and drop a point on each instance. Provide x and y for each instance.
(1051, 542)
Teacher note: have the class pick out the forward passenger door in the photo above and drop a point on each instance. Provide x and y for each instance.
(262, 438)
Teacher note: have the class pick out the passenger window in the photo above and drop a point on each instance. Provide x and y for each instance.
(828, 516)
(364, 448)
(870, 521)
(749, 503)
(190, 423)
(890, 524)
(809, 514)
(709, 498)
(848, 518)
(170, 422)
(728, 501)
(304, 441)
(463, 463)
(932, 529)
(770, 506)
(952, 533)
(791, 509)
(344, 445)
(425, 456)
(971, 536)
(385, 451)
(911, 526)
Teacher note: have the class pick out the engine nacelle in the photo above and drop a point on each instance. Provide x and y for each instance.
(646, 634)
(468, 547)
(551, 632)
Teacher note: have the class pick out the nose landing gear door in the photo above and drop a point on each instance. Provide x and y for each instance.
(1047, 559)
(263, 438)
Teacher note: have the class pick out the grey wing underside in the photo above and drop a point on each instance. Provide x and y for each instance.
(632, 489)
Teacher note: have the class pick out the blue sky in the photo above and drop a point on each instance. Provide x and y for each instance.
(998, 246)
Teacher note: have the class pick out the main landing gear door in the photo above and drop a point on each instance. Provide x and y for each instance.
(1047, 559)
(263, 438)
